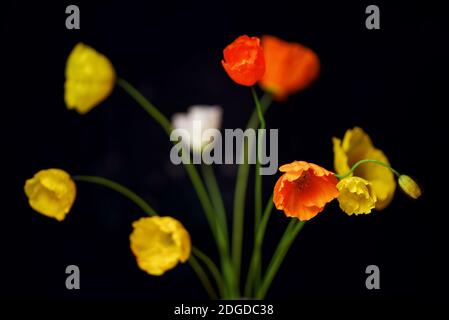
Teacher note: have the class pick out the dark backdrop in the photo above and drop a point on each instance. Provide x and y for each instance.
(387, 81)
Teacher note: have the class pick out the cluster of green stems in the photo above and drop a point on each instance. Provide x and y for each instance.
(227, 278)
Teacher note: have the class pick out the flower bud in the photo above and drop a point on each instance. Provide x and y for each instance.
(409, 186)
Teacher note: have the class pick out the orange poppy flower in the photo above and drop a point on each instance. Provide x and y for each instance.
(290, 67)
(244, 61)
(304, 189)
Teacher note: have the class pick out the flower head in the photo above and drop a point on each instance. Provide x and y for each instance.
(201, 124)
(290, 67)
(51, 192)
(409, 186)
(357, 145)
(356, 195)
(159, 243)
(244, 60)
(90, 78)
(304, 189)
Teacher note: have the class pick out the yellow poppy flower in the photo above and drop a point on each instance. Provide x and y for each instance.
(409, 186)
(356, 195)
(90, 78)
(51, 192)
(159, 243)
(357, 145)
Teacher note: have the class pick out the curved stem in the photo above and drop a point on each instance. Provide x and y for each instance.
(213, 270)
(151, 212)
(367, 161)
(120, 189)
(215, 195)
(165, 124)
(195, 178)
(289, 236)
(221, 227)
(239, 207)
(147, 105)
(258, 178)
(198, 185)
(203, 277)
(217, 231)
(259, 109)
(240, 190)
(256, 259)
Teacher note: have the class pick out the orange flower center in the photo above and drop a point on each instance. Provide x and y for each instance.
(303, 181)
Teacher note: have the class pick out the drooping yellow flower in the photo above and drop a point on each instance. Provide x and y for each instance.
(356, 195)
(159, 243)
(51, 192)
(357, 145)
(90, 78)
(409, 186)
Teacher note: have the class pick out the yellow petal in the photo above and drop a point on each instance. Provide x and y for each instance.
(340, 158)
(382, 179)
(51, 192)
(356, 143)
(90, 78)
(356, 196)
(356, 146)
(159, 243)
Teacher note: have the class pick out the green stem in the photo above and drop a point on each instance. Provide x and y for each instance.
(218, 230)
(347, 174)
(215, 195)
(130, 195)
(258, 178)
(259, 109)
(147, 105)
(165, 124)
(203, 277)
(252, 283)
(120, 189)
(240, 191)
(208, 208)
(221, 226)
(213, 270)
(289, 236)
(218, 233)
(238, 217)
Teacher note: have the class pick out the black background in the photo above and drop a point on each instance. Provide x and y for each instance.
(387, 81)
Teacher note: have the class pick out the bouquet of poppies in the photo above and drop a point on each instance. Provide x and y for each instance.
(363, 179)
